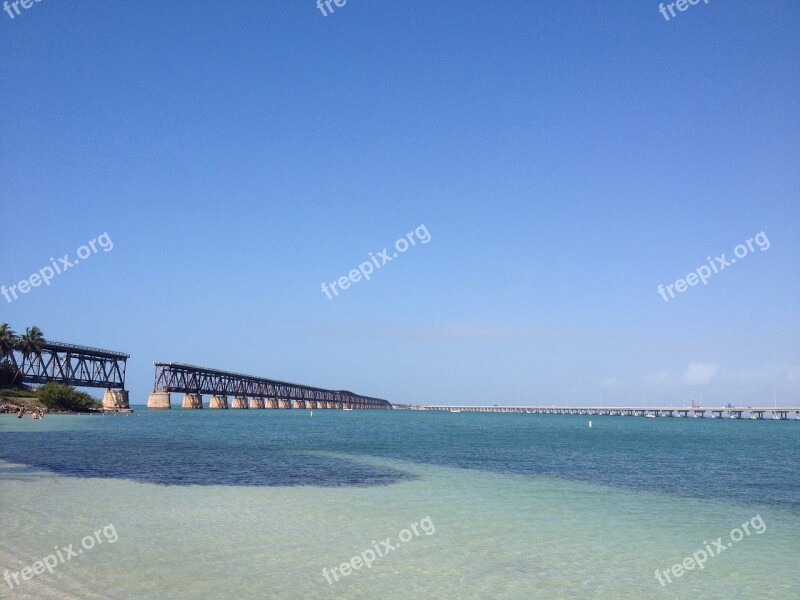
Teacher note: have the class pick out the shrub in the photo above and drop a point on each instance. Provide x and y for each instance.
(57, 396)
(8, 374)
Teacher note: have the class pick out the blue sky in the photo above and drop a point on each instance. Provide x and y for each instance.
(566, 160)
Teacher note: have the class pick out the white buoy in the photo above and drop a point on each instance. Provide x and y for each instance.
(590, 424)
(312, 413)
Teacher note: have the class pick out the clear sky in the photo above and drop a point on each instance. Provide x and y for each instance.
(565, 157)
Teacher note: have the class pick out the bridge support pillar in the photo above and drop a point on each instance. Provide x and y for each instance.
(116, 399)
(218, 402)
(192, 401)
(284, 403)
(239, 402)
(159, 400)
(271, 403)
(256, 403)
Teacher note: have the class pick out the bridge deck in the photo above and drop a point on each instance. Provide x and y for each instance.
(191, 379)
(70, 364)
(777, 412)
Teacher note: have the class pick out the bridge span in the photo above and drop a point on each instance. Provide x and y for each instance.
(247, 391)
(70, 364)
(777, 413)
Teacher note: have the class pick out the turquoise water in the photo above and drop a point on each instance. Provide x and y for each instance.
(254, 504)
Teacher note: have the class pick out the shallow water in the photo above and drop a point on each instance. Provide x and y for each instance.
(255, 504)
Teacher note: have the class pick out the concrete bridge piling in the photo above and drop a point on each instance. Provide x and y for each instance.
(159, 400)
(192, 401)
(116, 400)
(220, 402)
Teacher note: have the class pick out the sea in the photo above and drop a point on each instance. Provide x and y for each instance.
(291, 504)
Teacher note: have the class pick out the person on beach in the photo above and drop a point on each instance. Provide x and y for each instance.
(21, 413)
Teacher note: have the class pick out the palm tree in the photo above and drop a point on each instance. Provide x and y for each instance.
(8, 340)
(30, 344)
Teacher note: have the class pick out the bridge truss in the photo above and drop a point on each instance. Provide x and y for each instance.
(190, 379)
(79, 366)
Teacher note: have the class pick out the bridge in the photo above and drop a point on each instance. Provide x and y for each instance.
(777, 412)
(247, 391)
(78, 366)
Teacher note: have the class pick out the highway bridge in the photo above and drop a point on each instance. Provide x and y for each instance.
(247, 391)
(776, 412)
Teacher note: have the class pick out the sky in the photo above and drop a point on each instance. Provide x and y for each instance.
(565, 160)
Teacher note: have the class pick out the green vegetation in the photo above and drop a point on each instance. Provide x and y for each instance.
(7, 340)
(30, 344)
(52, 396)
(57, 396)
(10, 394)
(8, 374)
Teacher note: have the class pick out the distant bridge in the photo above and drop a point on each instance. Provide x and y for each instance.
(777, 413)
(247, 391)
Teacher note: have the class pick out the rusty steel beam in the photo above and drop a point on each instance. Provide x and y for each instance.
(191, 379)
(79, 366)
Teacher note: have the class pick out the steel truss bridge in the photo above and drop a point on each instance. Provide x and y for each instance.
(79, 366)
(247, 391)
